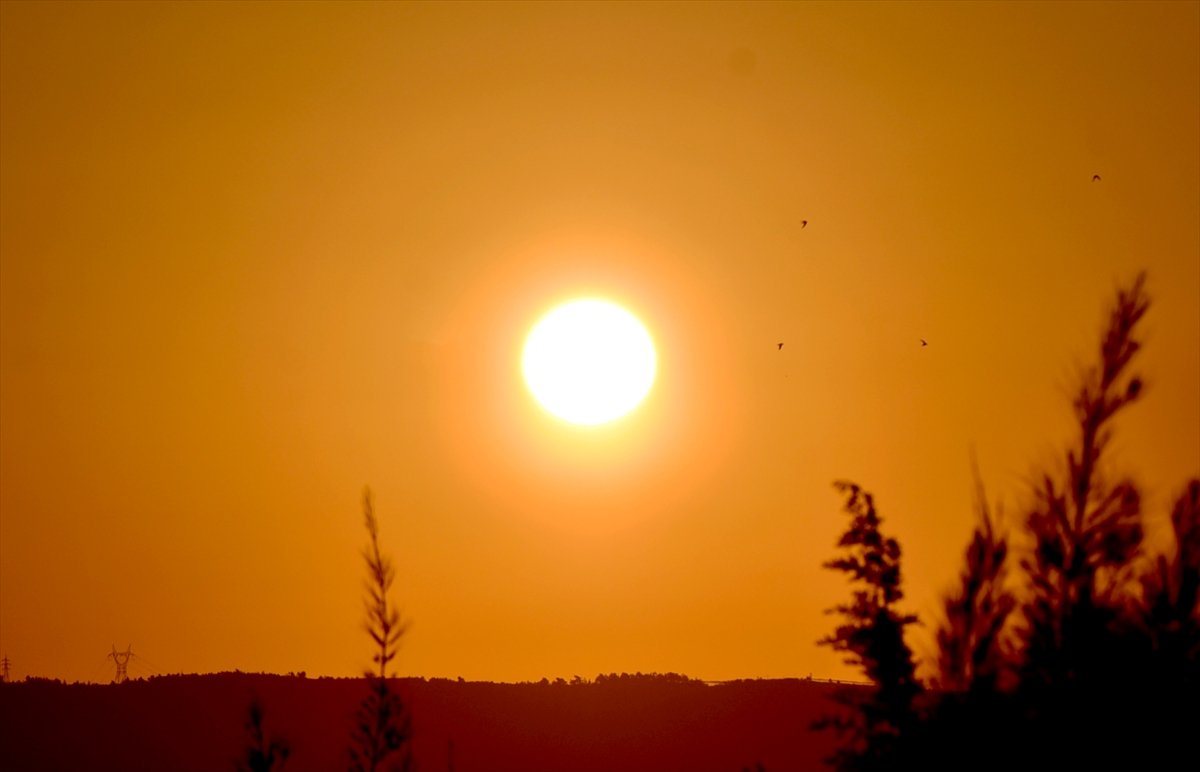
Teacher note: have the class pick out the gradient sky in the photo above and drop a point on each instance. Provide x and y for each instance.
(253, 257)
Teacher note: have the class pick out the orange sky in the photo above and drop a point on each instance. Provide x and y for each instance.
(255, 256)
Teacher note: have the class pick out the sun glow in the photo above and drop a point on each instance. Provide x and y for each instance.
(589, 361)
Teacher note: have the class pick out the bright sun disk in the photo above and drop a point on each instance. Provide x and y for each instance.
(589, 361)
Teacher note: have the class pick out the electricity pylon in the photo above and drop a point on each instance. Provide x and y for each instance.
(122, 660)
(4, 665)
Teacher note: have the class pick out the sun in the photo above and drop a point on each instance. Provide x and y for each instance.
(589, 361)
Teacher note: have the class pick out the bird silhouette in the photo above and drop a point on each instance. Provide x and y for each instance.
(803, 223)
(1095, 178)
(778, 346)
(923, 343)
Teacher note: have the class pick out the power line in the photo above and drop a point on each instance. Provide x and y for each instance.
(96, 673)
(141, 668)
(138, 659)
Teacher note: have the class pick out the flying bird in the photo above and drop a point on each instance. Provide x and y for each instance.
(778, 346)
(803, 223)
(1095, 178)
(923, 343)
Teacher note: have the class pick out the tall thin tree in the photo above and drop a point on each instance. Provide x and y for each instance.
(1087, 529)
(974, 648)
(383, 728)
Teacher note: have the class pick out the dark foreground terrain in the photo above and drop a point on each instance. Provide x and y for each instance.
(197, 722)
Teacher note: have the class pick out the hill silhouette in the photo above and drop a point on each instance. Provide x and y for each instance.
(632, 723)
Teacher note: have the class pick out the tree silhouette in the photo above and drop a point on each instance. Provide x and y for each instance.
(1169, 611)
(872, 635)
(1086, 529)
(973, 649)
(1166, 621)
(263, 754)
(382, 726)
(1098, 662)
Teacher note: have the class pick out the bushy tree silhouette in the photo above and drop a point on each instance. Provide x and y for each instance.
(382, 730)
(872, 635)
(1087, 654)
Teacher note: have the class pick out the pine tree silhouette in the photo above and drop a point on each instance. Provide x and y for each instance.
(872, 635)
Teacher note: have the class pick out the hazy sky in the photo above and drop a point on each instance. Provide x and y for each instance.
(253, 257)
